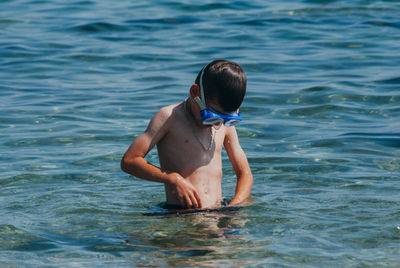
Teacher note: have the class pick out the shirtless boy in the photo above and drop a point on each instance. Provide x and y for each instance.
(189, 138)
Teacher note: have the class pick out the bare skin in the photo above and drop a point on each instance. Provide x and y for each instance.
(191, 173)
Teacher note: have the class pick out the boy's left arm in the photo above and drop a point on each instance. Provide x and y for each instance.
(240, 165)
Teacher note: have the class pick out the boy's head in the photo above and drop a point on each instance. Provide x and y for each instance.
(223, 82)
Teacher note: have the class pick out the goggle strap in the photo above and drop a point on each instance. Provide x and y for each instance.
(199, 102)
(203, 99)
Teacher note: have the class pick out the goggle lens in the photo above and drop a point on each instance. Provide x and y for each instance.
(210, 118)
(231, 123)
(212, 121)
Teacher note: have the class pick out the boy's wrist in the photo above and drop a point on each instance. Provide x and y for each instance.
(170, 178)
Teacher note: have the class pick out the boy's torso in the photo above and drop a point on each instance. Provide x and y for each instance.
(184, 149)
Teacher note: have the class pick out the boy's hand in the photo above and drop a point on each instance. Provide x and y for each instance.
(185, 192)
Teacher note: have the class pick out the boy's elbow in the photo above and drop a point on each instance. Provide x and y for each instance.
(126, 164)
(123, 164)
(131, 165)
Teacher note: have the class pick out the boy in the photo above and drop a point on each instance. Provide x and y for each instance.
(189, 138)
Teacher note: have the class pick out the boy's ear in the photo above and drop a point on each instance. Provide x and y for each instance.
(194, 91)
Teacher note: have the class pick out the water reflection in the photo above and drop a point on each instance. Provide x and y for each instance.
(206, 239)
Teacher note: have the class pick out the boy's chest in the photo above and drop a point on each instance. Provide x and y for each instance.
(183, 146)
(181, 151)
(189, 138)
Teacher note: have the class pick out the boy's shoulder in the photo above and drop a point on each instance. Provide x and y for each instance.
(167, 112)
(169, 108)
(162, 120)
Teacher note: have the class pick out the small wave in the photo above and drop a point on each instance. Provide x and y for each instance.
(262, 22)
(88, 57)
(172, 20)
(15, 52)
(13, 238)
(238, 5)
(315, 110)
(394, 80)
(8, 21)
(251, 22)
(97, 160)
(385, 139)
(30, 179)
(389, 142)
(353, 45)
(98, 27)
(383, 23)
(23, 179)
(65, 140)
(317, 89)
(371, 134)
(148, 57)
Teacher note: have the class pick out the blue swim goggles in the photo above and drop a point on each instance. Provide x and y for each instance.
(210, 118)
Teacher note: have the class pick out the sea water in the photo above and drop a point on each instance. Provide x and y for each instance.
(80, 80)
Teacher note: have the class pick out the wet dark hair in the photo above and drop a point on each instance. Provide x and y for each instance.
(225, 82)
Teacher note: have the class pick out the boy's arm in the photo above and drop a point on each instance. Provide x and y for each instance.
(240, 165)
(134, 162)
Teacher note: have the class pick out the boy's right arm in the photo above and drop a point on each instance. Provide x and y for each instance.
(134, 162)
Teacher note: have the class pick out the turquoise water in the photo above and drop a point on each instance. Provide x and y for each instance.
(79, 80)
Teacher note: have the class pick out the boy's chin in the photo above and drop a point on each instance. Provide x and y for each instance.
(217, 126)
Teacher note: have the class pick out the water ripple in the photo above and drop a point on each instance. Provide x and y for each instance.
(80, 80)
(98, 27)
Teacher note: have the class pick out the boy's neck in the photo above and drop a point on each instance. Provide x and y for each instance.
(188, 109)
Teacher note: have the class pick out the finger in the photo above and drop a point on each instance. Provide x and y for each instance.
(188, 201)
(197, 196)
(194, 201)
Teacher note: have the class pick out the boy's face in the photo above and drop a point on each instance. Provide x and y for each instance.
(213, 114)
(216, 115)
(215, 107)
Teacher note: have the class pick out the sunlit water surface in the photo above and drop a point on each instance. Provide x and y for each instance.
(79, 80)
